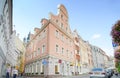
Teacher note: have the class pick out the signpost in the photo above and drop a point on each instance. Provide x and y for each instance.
(44, 62)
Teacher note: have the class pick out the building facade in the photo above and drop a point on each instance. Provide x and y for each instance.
(5, 32)
(100, 59)
(94, 54)
(20, 50)
(111, 62)
(54, 49)
(50, 49)
(77, 49)
(90, 57)
(12, 53)
(83, 53)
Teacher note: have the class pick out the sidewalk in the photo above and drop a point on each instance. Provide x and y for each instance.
(80, 75)
(73, 76)
(114, 76)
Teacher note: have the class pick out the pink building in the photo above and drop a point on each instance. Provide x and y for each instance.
(50, 50)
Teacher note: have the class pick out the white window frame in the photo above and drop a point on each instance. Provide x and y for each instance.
(38, 52)
(57, 33)
(57, 48)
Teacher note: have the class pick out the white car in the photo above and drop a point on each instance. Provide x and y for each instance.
(98, 73)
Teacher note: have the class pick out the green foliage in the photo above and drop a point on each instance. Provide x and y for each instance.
(117, 65)
(115, 32)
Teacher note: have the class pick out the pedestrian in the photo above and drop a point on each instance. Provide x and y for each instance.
(116, 73)
(8, 70)
(15, 72)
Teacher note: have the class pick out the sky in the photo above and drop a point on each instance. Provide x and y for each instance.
(93, 19)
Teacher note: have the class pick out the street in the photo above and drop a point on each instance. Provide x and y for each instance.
(87, 76)
(80, 76)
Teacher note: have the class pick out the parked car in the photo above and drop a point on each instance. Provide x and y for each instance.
(98, 73)
(109, 73)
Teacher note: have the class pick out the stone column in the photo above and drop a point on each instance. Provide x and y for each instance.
(51, 65)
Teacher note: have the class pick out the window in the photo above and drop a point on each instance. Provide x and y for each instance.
(62, 50)
(66, 20)
(66, 29)
(61, 25)
(67, 40)
(67, 52)
(57, 33)
(43, 48)
(62, 37)
(31, 56)
(71, 55)
(38, 50)
(70, 43)
(77, 52)
(37, 67)
(44, 34)
(56, 21)
(2, 30)
(34, 53)
(61, 16)
(57, 48)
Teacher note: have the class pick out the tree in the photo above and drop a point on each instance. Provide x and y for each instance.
(115, 33)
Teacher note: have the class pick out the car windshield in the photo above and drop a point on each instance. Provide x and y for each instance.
(97, 69)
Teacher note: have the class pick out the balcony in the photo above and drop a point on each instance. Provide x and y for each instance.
(76, 43)
(77, 57)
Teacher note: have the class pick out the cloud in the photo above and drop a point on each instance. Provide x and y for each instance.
(96, 36)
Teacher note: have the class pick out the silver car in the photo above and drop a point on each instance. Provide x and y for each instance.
(98, 73)
(109, 72)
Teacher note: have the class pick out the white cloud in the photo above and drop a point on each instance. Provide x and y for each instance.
(96, 36)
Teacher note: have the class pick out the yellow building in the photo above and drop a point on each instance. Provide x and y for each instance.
(20, 48)
(83, 54)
